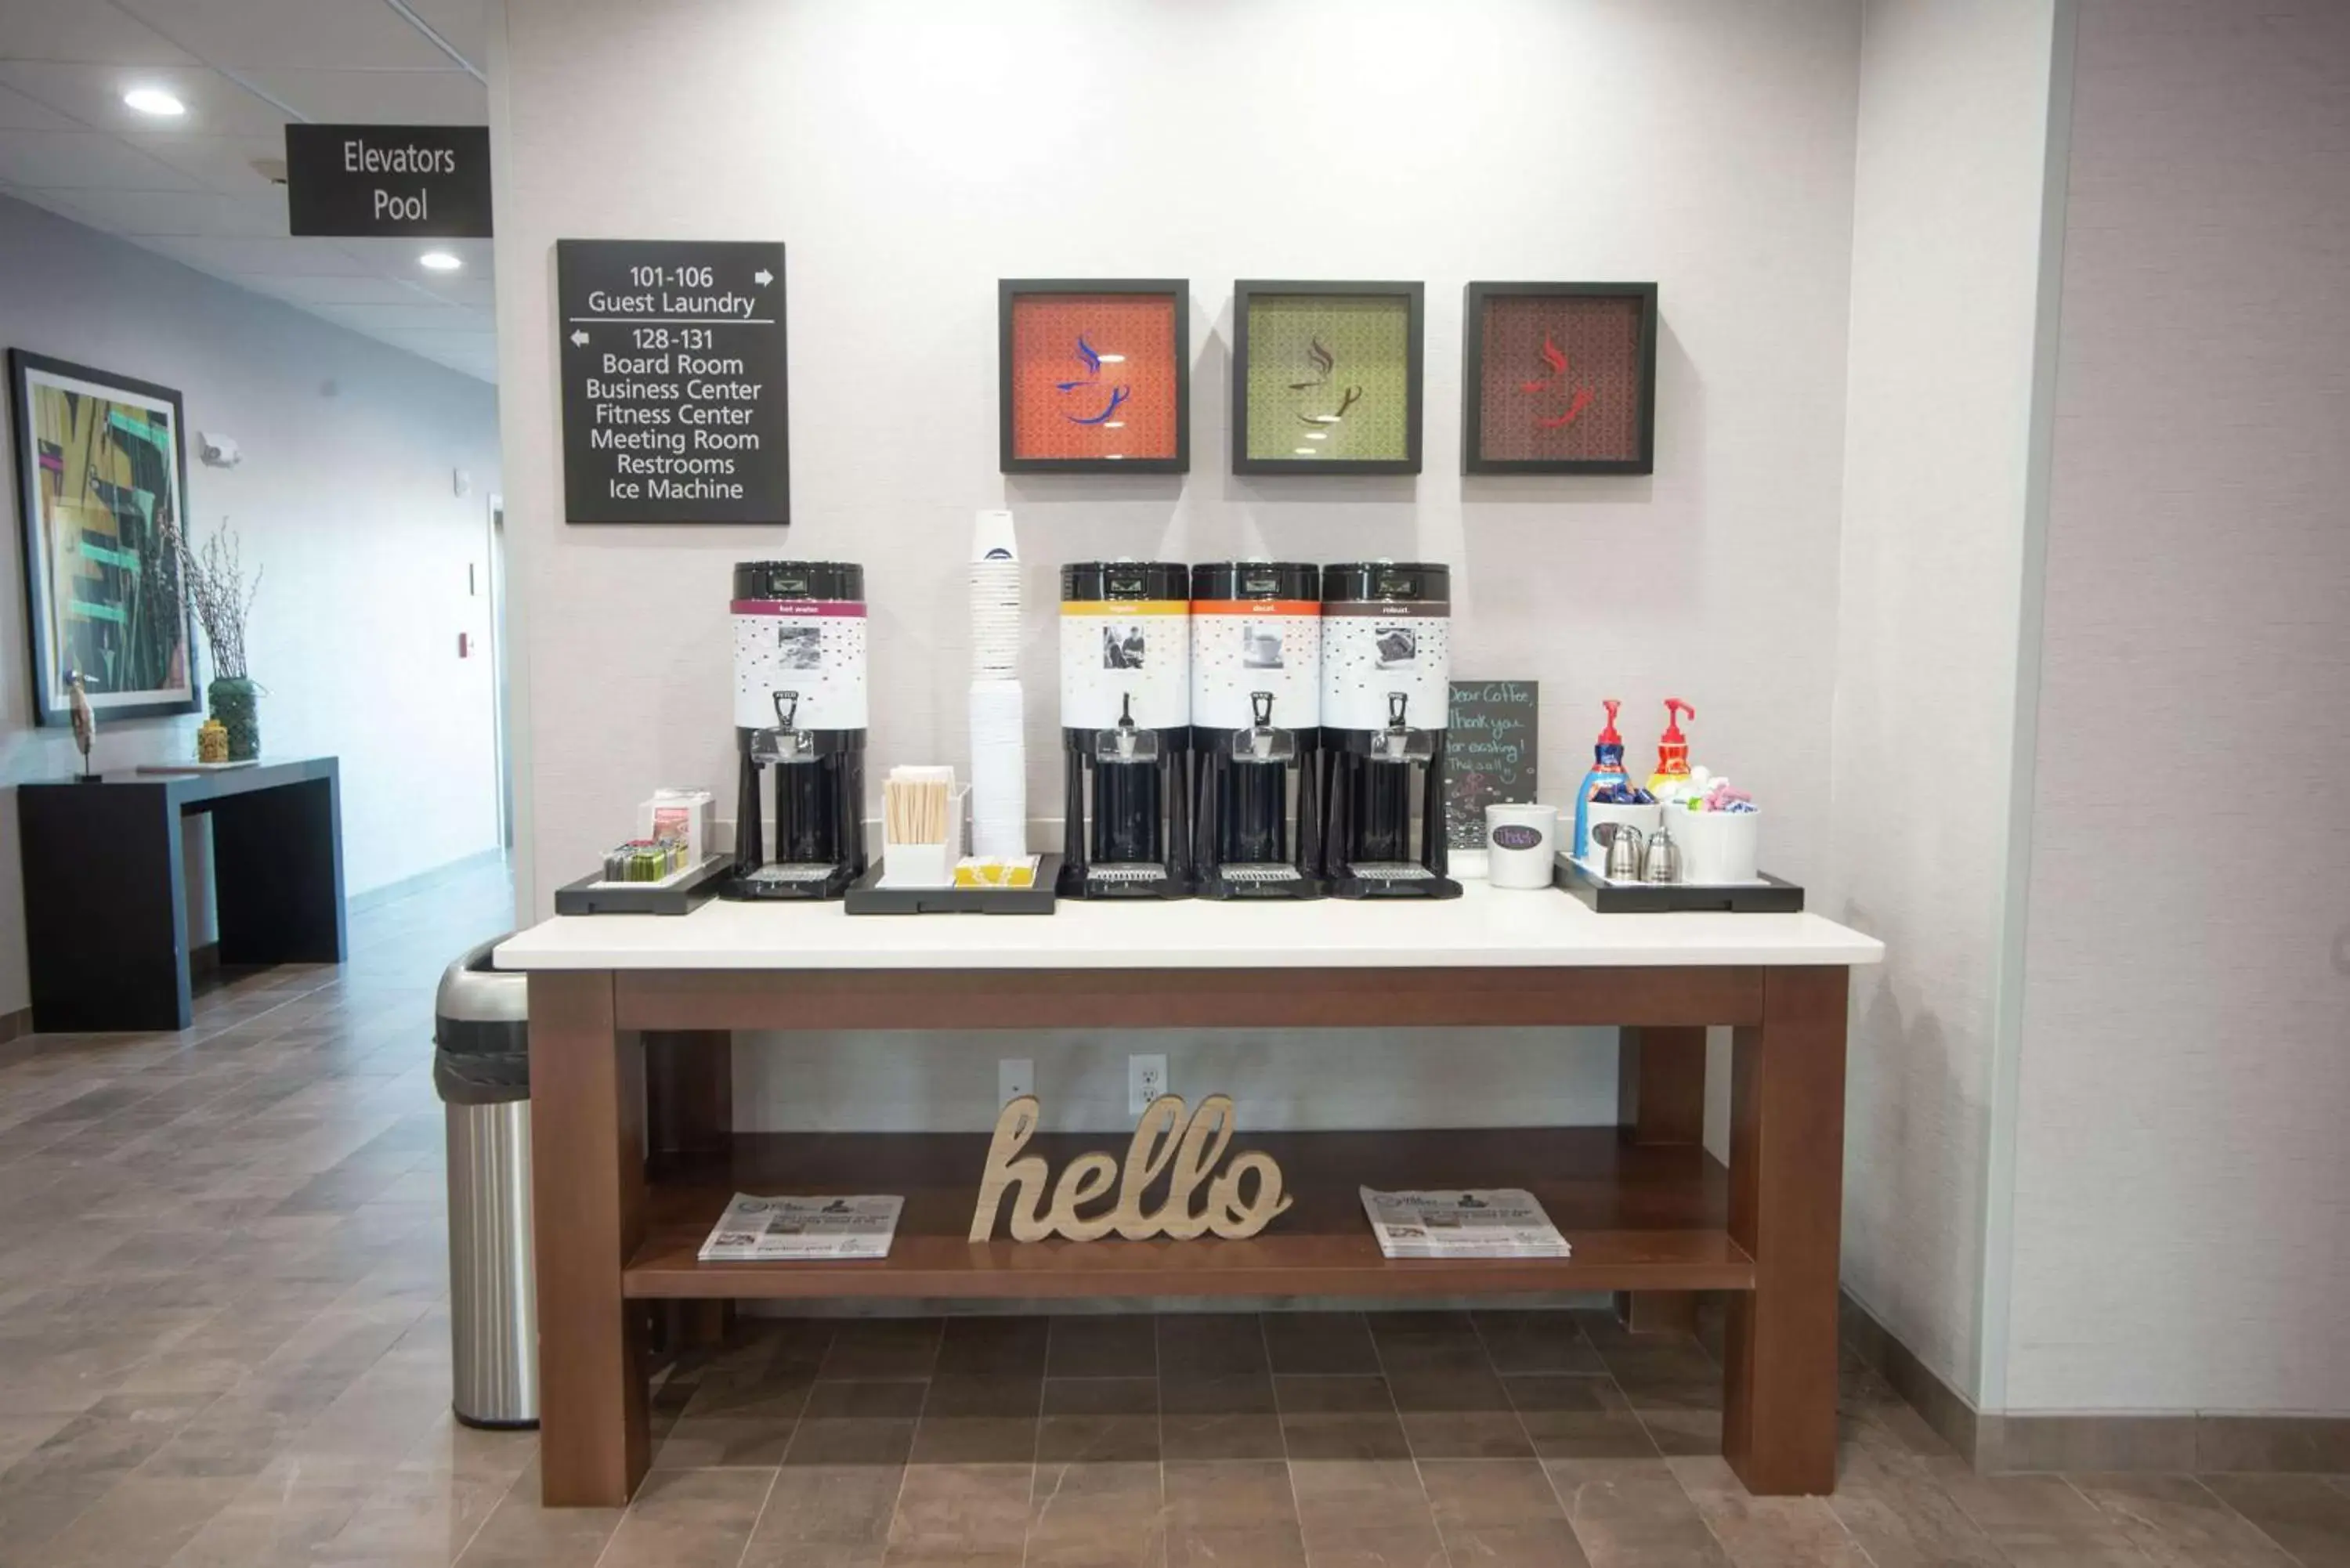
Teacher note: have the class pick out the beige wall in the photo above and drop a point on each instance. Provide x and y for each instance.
(909, 155)
(2182, 1185)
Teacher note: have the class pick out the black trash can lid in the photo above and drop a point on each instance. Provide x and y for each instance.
(480, 1009)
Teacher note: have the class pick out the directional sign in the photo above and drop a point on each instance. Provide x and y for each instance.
(673, 408)
(415, 181)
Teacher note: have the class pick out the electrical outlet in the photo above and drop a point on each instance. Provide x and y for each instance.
(1014, 1076)
(1146, 1080)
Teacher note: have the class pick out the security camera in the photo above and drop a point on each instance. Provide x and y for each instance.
(217, 450)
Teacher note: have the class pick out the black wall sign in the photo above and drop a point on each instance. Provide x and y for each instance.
(426, 182)
(1490, 755)
(672, 381)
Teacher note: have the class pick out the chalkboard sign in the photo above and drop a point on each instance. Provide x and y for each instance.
(1490, 754)
(672, 381)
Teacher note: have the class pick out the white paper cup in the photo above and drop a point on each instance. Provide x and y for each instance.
(1718, 846)
(1520, 844)
(1644, 817)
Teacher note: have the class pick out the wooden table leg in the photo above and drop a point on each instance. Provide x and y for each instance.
(689, 1110)
(1786, 1193)
(1660, 1100)
(588, 1190)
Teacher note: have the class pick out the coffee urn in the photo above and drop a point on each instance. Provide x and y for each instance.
(1256, 704)
(1386, 691)
(799, 716)
(1125, 717)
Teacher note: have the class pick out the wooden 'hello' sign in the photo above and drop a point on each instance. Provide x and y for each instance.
(1165, 1143)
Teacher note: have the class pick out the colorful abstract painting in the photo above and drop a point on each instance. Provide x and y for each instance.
(1560, 377)
(1331, 380)
(1095, 377)
(103, 475)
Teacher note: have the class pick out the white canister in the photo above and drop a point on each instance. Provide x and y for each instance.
(1256, 640)
(1717, 847)
(1521, 844)
(799, 645)
(1126, 645)
(1643, 817)
(1387, 645)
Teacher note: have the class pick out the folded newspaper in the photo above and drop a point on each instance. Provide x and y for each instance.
(785, 1230)
(1491, 1223)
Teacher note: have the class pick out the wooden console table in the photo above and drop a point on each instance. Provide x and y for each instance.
(1645, 1209)
(106, 901)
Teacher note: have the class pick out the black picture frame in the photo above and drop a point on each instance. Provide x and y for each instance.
(1010, 290)
(50, 704)
(1413, 294)
(1473, 378)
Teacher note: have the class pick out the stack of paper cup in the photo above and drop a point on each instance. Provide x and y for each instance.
(999, 755)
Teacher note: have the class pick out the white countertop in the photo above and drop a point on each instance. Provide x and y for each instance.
(1483, 928)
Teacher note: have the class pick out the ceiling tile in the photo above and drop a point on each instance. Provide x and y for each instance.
(240, 258)
(481, 293)
(222, 163)
(250, 34)
(464, 24)
(143, 214)
(397, 258)
(420, 316)
(88, 30)
(313, 291)
(18, 112)
(82, 159)
(93, 95)
(379, 97)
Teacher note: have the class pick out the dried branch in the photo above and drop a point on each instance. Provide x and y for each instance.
(222, 597)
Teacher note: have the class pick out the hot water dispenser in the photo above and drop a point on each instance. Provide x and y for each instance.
(800, 717)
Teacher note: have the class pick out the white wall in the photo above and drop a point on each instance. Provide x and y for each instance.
(2182, 1193)
(344, 497)
(911, 154)
(1954, 125)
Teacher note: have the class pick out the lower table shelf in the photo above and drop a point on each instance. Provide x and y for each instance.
(1638, 1219)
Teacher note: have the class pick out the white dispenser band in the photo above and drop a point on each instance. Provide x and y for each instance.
(1371, 652)
(811, 650)
(1118, 650)
(1242, 647)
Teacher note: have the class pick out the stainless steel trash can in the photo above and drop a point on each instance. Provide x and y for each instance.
(480, 1066)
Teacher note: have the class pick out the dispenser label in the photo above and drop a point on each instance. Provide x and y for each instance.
(1118, 657)
(799, 662)
(1237, 653)
(1374, 653)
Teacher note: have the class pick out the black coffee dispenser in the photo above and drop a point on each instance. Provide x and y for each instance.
(1256, 704)
(800, 716)
(1386, 671)
(1126, 715)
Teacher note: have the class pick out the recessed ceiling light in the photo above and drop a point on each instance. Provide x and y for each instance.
(439, 261)
(155, 101)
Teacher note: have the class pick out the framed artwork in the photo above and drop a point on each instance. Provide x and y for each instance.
(1559, 378)
(1094, 375)
(1326, 377)
(103, 479)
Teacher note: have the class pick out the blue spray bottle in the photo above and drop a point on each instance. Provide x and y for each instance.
(1607, 768)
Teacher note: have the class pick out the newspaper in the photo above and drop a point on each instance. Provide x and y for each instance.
(1488, 1223)
(785, 1229)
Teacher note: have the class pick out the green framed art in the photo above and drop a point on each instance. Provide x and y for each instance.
(1327, 377)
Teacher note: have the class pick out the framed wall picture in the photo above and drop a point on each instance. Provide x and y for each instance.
(1559, 378)
(102, 481)
(1326, 377)
(1094, 375)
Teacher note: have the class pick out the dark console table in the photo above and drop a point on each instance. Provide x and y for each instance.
(106, 906)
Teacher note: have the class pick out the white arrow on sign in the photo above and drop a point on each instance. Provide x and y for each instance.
(762, 277)
(580, 339)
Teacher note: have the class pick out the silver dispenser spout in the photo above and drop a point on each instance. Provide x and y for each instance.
(786, 742)
(1128, 742)
(1399, 743)
(1260, 741)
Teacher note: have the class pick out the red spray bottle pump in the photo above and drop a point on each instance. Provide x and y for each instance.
(1672, 746)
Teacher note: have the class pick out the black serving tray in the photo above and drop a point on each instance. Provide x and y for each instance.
(866, 896)
(594, 896)
(1771, 895)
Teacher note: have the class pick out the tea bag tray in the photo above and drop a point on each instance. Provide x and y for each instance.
(866, 895)
(679, 893)
(1767, 895)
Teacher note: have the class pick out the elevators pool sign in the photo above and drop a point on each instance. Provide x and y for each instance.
(672, 381)
(419, 181)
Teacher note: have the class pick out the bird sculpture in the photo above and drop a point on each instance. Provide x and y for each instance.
(85, 722)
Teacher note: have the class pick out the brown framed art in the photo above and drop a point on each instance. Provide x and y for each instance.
(1559, 378)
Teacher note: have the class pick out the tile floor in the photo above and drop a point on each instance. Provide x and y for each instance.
(224, 1342)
